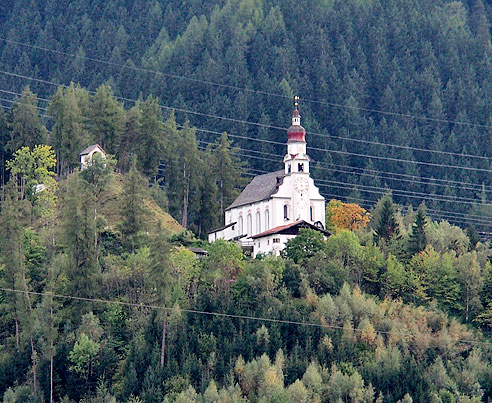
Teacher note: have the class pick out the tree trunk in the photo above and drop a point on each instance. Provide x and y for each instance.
(34, 367)
(163, 345)
(184, 221)
(51, 349)
(17, 337)
(95, 229)
(221, 199)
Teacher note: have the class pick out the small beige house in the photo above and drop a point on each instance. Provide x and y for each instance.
(87, 155)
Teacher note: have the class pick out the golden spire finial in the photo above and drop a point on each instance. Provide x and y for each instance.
(296, 101)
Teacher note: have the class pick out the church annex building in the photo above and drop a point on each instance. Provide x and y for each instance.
(273, 207)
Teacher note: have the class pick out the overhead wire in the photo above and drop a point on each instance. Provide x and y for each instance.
(245, 89)
(221, 314)
(403, 192)
(257, 124)
(443, 213)
(479, 186)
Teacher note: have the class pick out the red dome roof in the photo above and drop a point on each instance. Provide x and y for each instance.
(296, 132)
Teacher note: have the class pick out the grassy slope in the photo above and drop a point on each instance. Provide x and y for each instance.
(110, 209)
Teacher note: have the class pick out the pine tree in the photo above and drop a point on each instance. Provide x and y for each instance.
(133, 210)
(107, 119)
(4, 137)
(26, 130)
(129, 138)
(150, 144)
(418, 239)
(227, 171)
(69, 133)
(78, 231)
(387, 228)
(473, 236)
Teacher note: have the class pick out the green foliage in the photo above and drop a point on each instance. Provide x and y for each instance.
(305, 245)
(386, 228)
(430, 59)
(26, 130)
(83, 355)
(418, 239)
(133, 210)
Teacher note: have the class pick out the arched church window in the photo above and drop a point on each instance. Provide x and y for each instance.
(258, 222)
(240, 225)
(286, 211)
(249, 223)
(311, 213)
(267, 219)
(288, 169)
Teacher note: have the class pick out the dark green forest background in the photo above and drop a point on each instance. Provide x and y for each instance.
(398, 311)
(428, 59)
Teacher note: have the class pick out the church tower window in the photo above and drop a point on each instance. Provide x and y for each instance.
(286, 211)
(311, 213)
(300, 167)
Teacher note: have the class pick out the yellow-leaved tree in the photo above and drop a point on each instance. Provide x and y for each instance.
(351, 216)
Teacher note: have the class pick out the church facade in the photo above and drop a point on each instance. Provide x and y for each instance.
(272, 207)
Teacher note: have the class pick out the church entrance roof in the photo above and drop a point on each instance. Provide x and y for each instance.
(262, 187)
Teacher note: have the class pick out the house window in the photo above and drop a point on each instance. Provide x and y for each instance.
(276, 240)
(258, 222)
(267, 219)
(241, 225)
(286, 211)
(311, 213)
(250, 224)
(300, 167)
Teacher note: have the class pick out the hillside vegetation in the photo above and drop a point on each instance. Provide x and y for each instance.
(431, 60)
(101, 296)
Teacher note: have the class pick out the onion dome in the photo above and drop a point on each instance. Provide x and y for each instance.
(296, 132)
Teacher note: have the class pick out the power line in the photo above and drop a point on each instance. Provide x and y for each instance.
(261, 92)
(401, 160)
(22, 103)
(218, 314)
(446, 181)
(20, 94)
(441, 213)
(246, 122)
(403, 193)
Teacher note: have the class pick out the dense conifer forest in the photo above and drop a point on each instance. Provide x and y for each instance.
(102, 298)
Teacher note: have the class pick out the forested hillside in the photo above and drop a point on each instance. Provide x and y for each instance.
(360, 68)
(108, 292)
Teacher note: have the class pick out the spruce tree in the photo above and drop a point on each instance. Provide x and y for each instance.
(107, 119)
(25, 125)
(418, 239)
(387, 228)
(150, 144)
(227, 170)
(132, 209)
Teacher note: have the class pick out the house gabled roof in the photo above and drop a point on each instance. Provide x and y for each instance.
(223, 227)
(262, 187)
(91, 148)
(290, 229)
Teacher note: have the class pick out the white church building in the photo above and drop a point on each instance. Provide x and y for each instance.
(273, 207)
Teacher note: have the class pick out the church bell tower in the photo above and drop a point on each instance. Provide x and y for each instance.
(296, 163)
